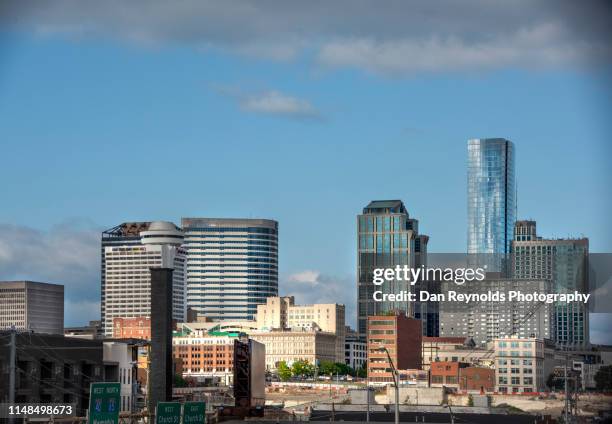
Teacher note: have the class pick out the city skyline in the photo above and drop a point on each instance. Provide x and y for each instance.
(98, 121)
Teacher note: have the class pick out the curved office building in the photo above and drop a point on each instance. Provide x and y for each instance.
(232, 265)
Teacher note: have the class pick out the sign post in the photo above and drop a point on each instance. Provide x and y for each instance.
(194, 413)
(168, 413)
(104, 403)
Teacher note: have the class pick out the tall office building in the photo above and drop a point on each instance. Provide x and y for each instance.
(386, 237)
(31, 306)
(491, 195)
(126, 234)
(232, 265)
(564, 263)
(129, 251)
(485, 320)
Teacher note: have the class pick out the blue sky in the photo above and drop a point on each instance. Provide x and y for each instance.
(137, 121)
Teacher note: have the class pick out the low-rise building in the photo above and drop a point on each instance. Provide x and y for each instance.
(587, 374)
(53, 369)
(522, 364)
(455, 349)
(124, 354)
(477, 378)
(416, 378)
(281, 313)
(445, 373)
(401, 336)
(208, 358)
(203, 328)
(355, 350)
(127, 328)
(92, 331)
(462, 376)
(295, 345)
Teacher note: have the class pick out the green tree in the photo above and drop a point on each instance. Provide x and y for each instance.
(603, 378)
(179, 381)
(284, 372)
(326, 368)
(343, 369)
(302, 369)
(362, 372)
(334, 368)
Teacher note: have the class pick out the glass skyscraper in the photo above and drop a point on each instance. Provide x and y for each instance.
(386, 237)
(491, 194)
(232, 265)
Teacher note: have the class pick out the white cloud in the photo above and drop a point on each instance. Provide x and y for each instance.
(388, 37)
(527, 48)
(277, 103)
(304, 277)
(67, 254)
(270, 102)
(311, 286)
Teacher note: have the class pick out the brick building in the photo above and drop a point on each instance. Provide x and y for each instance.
(446, 373)
(206, 358)
(455, 349)
(462, 376)
(477, 378)
(401, 336)
(128, 328)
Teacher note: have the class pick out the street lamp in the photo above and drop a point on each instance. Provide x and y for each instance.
(395, 375)
(447, 405)
(452, 417)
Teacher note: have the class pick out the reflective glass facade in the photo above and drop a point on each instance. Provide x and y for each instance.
(491, 195)
(387, 236)
(232, 265)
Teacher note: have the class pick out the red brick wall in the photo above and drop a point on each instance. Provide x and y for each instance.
(401, 336)
(410, 335)
(127, 328)
(477, 378)
(446, 373)
(205, 358)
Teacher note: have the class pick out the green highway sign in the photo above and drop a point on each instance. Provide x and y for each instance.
(168, 413)
(104, 403)
(194, 413)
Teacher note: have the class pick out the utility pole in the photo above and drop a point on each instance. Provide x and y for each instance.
(12, 369)
(447, 405)
(396, 379)
(367, 368)
(395, 375)
(566, 420)
(368, 403)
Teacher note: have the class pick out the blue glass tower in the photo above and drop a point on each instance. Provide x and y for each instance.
(232, 265)
(491, 196)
